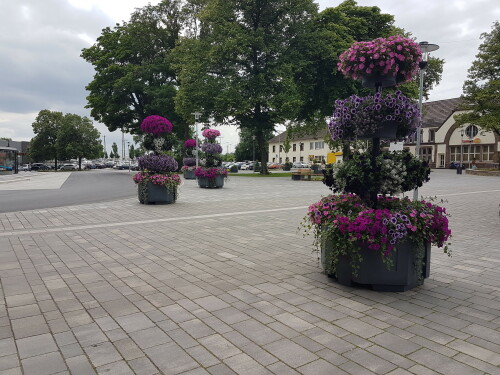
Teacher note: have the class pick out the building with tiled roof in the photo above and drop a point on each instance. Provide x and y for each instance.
(442, 141)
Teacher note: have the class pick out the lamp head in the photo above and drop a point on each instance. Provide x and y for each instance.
(426, 48)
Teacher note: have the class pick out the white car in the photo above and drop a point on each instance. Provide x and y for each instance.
(69, 167)
(244, 167)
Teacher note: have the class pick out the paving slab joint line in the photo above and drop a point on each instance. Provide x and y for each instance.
(137, 222)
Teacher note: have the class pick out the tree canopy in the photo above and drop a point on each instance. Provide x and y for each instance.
(133, 71)
(481, 90)
(46, 128)
(77, 138)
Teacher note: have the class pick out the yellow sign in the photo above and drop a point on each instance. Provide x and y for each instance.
(476, 140)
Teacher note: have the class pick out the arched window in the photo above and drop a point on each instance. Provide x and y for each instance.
(471, 131)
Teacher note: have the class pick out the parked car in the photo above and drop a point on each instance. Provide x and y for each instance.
(245, 167)
(39, 167)
(299, 164)
(68, 167)
(455, 165)
(26, 167)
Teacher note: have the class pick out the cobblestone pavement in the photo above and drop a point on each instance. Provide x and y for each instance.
(222, 283)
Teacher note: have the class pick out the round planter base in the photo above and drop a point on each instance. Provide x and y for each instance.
(404, 275)
(156, 194)
(211, 183)
(189, 175)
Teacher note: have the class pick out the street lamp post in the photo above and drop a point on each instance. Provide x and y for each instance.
(459, 169)
(253, 147)
(426, 48)
(197, 116)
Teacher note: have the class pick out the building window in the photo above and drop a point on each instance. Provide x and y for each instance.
(301, 147)
(455, 153)
(274, 148)
(301, 158)
(426, 154)
(441, 160)
(294, 147)
(311, 145)
(294, 159)
(487, 154)
(319, 145)
(432, 135)
(471, 131)
(274, 159)
(281, 148)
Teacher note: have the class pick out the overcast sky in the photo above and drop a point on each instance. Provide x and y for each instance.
(41, 42)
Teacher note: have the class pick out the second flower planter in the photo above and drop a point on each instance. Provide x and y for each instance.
(213, 183)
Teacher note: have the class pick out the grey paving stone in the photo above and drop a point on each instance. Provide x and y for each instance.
(134, 322)
(257, 332)
(80, 365)
(30, 326)
(244, 364)
(320, 367)
(149, 337)
(143, 366)
(219, 346)
(102, 354)
(7, 347)
(45, 364)
(36, 345)
(171, 359)
(395, 343)
(290, 353)
(441, 363)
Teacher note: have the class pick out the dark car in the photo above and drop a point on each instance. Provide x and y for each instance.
(455, 165)
(39, 167)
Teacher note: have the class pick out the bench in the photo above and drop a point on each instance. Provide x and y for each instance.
(304, 174)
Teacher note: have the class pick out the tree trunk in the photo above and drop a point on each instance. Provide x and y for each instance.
(55, 164)
(262, 147)
(79, 163)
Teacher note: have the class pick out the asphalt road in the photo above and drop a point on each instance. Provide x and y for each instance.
(80, 187)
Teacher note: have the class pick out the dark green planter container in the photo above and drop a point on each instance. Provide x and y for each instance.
(156, 194)
(286, 168)
(404, 275)
(211, 183)
(189, 175)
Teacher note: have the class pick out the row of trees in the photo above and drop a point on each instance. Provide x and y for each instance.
(61, 136)
(254, 64)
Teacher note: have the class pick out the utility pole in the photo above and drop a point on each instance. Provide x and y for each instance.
(105, 151)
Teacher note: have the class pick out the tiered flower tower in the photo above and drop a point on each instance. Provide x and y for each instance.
(366, 235)
(189, 161)
(157, 181)
(211, 174)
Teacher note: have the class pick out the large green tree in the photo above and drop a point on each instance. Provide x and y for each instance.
(46, 128)
(241, 66)
(133, 71)
(481, 90)
(77, 138)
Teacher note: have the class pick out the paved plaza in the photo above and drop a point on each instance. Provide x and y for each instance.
(223, 283)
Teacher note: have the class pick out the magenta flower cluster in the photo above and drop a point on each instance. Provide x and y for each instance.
(190, 143)
(188, 168)
(395, 55)
(211, 148)
(169, 180)
(156, 125)
(348, 220)
(211, 133)
(357, 116)
(210, 173)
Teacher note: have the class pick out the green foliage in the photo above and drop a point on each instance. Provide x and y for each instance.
(46, 128)
(241, 68)
(133, 72)
(481, 91)
(131, 152)
(78, 138)
(114, 152)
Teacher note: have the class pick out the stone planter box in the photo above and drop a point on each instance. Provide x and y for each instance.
(404, 274)
(211, 183)
(157, 194)
(189, 175)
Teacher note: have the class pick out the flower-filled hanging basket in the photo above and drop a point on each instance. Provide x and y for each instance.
(389, 116)
(381, 62)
